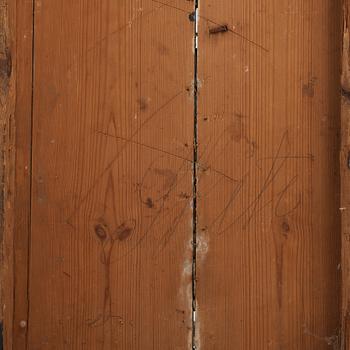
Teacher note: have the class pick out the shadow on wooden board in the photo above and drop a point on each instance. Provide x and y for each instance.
(345, 178)
(107, 242)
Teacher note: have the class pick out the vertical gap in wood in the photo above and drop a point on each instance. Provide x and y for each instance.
(345, 177)
(195, 163)
(31, 171)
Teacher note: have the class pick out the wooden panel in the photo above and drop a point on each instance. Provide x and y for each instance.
(16, 105)
(7, 107)
(345, 180)
(268, 189)
(110, 264)
(23, 121)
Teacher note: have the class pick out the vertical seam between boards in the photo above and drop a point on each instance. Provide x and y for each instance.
(31, 171)
(195, 174)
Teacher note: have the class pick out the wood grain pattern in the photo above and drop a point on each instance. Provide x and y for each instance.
(345, 179)
(110, 262)
(7, 107)
(98, 217)
(22, 177)
(268, 201)
(16, 88)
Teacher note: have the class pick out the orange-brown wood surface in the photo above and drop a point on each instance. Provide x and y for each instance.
(268, 259)
(23, 70)
(110, 253)
(100, 103)
(16, 104)
(7, 108)
(345, 179)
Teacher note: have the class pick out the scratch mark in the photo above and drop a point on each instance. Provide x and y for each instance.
(145, 145)
(252, 42)
(154, 219)
(282, 194)
(205, 169)
(114, 159)
(308, 156)
(217, 24)
(273, 172)
(165, 152)
(123, 27)
(166, 237)
(172, 6)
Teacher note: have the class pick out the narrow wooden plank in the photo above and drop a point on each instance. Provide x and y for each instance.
(345, 179)
(16, 87)
(6, 99)
(7, 102)
(110, 264)
(268, 202)
(22, 185)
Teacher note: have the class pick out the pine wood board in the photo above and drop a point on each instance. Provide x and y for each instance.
(110, 251)
(268, 274)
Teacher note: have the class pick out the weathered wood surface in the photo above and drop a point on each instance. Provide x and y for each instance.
(22, 133)
(110, 253)
(107, 216)
(7, 106)
(16, 101)
(345, 178)
(268, 190)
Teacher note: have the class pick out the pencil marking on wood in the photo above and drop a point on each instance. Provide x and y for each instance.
(117, 155)
(223, 27)
(280, 216)
(253, 207)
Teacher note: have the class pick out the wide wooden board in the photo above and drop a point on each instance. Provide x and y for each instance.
(110, 249)
(268, 259)
(97, 153)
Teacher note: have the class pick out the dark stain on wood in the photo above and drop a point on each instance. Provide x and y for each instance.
(124, 231)
(218, 29)
(149, 203)
(5, 52)
(143, 103)
(101, 230)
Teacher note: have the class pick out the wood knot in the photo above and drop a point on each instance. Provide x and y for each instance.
(101, 230)
(285, 229)
(192, 16)
(285, 226)
(149, 203)
(124, 230)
